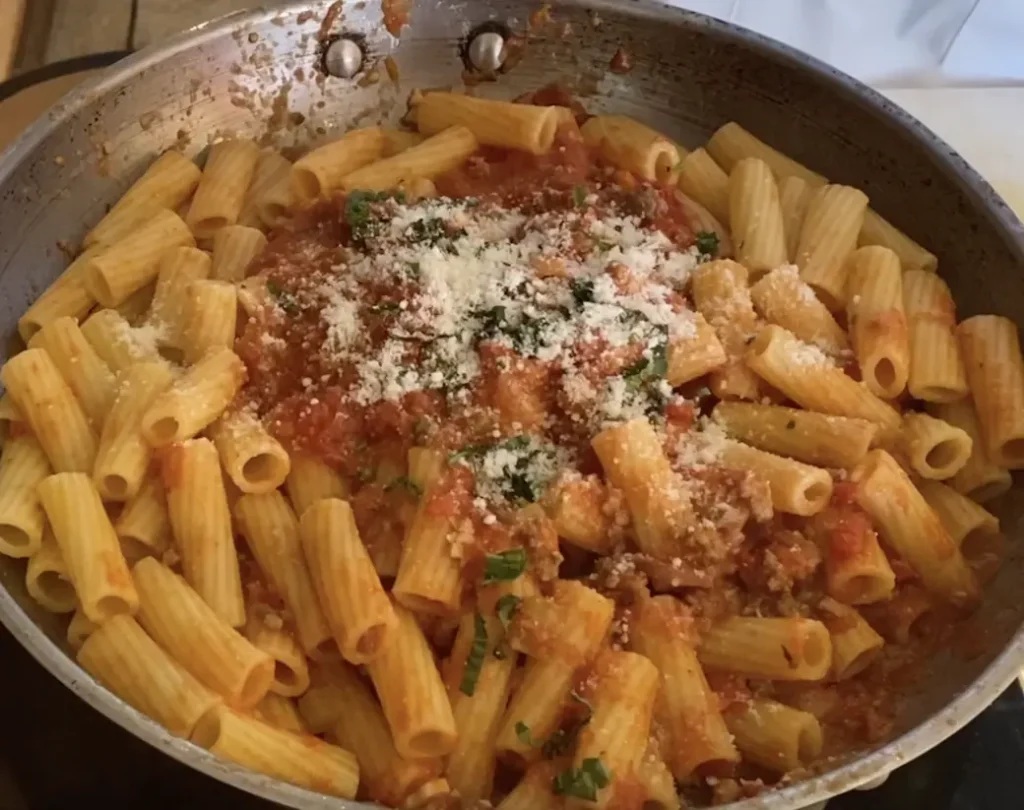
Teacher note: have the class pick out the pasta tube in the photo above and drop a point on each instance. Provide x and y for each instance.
(281, 713)
(254, 459)
(633, 460)
(88, 377)
(321, 171)
(273, 534)
(911, 527)
(876, 231)
(937, 371)
(878, 325)
(935, 449)
(575, 507)
(22, 466)
(995, 372)
(269, 196)
(354, 602)
(773, 735)
(721, 295)
(310, 480)
(796, 488)
(234, 248)
(68, 296)
(857, 572)
(576, 621)
(981, 479)
(79, 629)
(624, 686)
(143, 526)
(218, 200)
(179, 267)
(47, 579)
(755, 217)
(807, 377)
(211, 312)
(166, 185)
(814, 438)
(855, 644)
(834, 217)
(360, 726)
(177, 618)
(195, 400)
(687, 708)
(693, 357)
(630, 145)
(493, 123)
(300, 759)
(123, 456)
(703, 180)
(131, 263)
(429, 579)
(50, 407)
(88, 546)
(783, 298)
(438, 154)
(478, 716)
(114, 340)
(130, 664)
(534, 790)
(794, 195)
(267, 633)
(197, 506)
(777, 649)
(412, 693)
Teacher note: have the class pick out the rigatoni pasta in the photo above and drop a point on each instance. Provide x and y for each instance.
(438, 458)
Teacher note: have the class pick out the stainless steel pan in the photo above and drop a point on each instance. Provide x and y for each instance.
(690, 74)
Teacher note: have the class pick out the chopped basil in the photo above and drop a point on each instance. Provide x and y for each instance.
(404, 482)
(579, 196)
(707, 243)
(583, 782)
(283, 298)
(475, 659)
(504, 566)
(431, 230)
(477, 451)
(582, 290)
(523, 733)
(649, 369)
(506, 609)
(359, 213)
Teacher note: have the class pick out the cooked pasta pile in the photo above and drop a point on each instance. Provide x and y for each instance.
(524, 460)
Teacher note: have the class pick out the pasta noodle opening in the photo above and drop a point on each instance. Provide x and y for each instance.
(863, 589)
(324, 651)
(273, 213)
(115, 486)
(427, 743)
(284, 675)
(207, 730)
(372, 640)
(884, 374)
(817, 648)
(261, 468)
(56, 589)
(109, 606)
(14, 540)
(1013, 451)
(665, 161)
(817, 494)
(257, 684)
(164, 430)
(210, 224)
(944, 454)
(308, 182)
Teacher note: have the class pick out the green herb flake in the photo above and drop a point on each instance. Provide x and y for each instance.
(583, 782)
(579, 196)
(506, 609)
(524, 736)
(504, 566)
(582, 290)
(475, 659)
(707, 243)
(283, 298)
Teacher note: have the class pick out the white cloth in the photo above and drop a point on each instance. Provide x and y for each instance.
(893, 42)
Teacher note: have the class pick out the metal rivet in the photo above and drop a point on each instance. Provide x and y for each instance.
(343, 58)
(487, 51)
